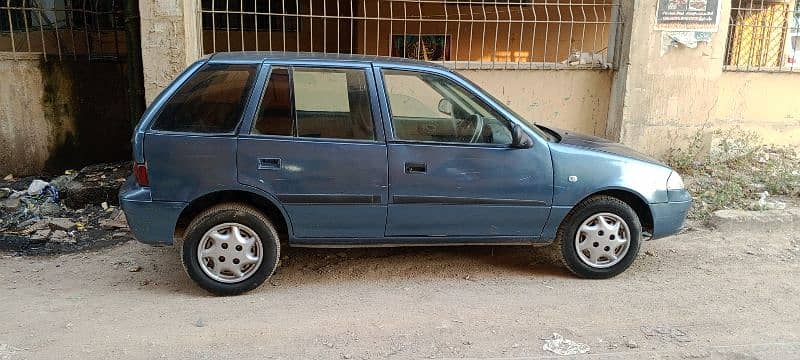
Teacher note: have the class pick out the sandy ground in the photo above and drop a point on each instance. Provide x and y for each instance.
(731, 294)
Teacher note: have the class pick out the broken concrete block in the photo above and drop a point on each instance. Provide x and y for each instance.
(60, 224)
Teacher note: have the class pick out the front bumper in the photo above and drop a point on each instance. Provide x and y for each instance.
(668, 217)
(152, 222)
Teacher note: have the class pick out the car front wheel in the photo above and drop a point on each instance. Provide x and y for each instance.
(230, 249)
(600, 238)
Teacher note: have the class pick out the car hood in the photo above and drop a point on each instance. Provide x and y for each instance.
(603, 145)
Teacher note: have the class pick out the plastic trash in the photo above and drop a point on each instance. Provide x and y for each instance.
(52, 192)
(561, 346)
(36, 187)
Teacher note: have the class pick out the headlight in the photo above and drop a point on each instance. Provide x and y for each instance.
(674, 182)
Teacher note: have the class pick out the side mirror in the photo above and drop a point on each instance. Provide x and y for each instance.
(445, 107)
(519, 139)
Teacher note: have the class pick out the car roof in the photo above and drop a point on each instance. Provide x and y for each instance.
(316, 56)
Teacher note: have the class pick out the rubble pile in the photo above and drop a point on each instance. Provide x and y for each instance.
(75, 211)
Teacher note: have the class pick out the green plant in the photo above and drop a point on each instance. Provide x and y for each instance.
(735, 172)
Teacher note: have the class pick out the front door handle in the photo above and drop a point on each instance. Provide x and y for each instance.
(415, 168)
(269, 163)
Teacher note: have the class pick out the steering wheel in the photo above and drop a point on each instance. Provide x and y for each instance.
(465, 123)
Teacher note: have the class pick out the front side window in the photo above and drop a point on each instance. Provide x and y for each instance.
(211, 101)
(328, 103)
(427, 107)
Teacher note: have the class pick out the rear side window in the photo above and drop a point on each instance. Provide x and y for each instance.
(328, 103)
(211, 101)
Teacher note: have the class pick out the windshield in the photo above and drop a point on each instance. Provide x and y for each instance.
(535, 128)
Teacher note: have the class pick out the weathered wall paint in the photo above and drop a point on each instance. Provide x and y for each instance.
(56, 115)
(24, 130)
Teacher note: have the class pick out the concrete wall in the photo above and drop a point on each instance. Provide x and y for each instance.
(569, 99)
(661, 101)
(24, 131)
(169, 41)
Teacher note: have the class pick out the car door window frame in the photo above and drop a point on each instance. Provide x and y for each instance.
(372, 91)
(389, 123)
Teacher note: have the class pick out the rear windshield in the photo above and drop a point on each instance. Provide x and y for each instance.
(211, 101)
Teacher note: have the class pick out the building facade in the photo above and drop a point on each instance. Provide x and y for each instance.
(648, 73)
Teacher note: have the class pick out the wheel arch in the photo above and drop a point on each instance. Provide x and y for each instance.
(269, 207)
(634, 200)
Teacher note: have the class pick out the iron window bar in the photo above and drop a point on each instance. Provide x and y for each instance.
(463, 34)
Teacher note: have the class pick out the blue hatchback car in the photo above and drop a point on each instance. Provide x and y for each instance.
(245, 152)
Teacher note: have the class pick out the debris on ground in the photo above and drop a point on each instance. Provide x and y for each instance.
(557, 344)
(70, 212)
(736, 170)
(765, 203)
(94, 185)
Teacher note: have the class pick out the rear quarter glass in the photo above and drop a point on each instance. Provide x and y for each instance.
(210, 102)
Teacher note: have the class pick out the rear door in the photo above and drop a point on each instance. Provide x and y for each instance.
(316, 142)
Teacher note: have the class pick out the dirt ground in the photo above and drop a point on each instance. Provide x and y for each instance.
(729, 294)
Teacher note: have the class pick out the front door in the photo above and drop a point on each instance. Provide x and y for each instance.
(314, 145)
(451, 167)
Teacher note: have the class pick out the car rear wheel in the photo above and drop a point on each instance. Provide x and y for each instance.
(600, 238)
(230, 249)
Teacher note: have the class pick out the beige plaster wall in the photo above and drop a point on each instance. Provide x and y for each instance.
(24, 130)
(569, 99)
(766, 103)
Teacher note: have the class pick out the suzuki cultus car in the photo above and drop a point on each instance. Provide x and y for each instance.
(246, 152)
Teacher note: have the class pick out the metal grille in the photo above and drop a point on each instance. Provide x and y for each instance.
(763, 35)
(75, 28)
(464, 34)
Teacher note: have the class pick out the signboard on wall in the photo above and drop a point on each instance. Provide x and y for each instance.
(688, 15)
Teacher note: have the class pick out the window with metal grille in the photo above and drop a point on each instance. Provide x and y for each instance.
(464, 34)
(86, 28)
(272, 15)
(763, 36)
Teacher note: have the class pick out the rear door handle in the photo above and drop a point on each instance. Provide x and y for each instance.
(269, 163)
(415, 168)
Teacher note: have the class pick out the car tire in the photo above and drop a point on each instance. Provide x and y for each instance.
(230, 249)
(598, 252)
